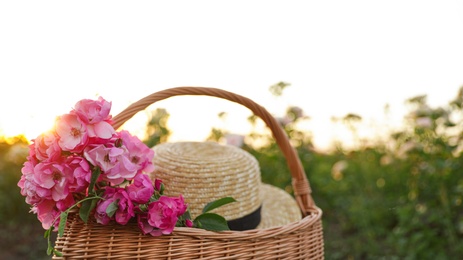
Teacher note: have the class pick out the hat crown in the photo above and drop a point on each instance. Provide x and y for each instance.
(205, 171)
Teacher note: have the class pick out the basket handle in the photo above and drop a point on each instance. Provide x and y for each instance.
(300, 182)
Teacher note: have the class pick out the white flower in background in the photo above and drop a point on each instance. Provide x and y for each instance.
(284, 120)
(234, 139)
(298, 112)
(424, 122)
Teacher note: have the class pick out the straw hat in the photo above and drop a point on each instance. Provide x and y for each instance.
(206, 171)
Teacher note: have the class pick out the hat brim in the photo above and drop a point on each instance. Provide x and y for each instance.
(278, 207)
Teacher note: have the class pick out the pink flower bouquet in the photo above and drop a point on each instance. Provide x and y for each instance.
(85, 165)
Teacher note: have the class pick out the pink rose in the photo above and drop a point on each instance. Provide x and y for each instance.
(72, 133)
(32, 157)
(141, 190)
(46, 146)
(140, 154)
(95, 114)
(163, 214)
(47, 213)
(81, 171)
(33, 193)
(100, 211)
(145, 227)
(65, 203)
(125, 209)
(113, 161)
(53, 178)
(93, 111)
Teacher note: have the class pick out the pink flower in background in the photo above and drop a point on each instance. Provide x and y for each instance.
(46, 146)
(163, 214)
(234, 139)
(72, 133)
(113, 161)
(141, 190)
(140, 154)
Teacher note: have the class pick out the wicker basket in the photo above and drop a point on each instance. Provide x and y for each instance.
(299, 240)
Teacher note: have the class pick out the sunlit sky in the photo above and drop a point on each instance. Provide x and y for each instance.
(339, 57)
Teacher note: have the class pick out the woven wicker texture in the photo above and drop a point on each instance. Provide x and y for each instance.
(302, 239)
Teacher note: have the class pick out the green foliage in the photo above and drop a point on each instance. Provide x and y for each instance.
(156, 129)
(277, 89)
(212, 221)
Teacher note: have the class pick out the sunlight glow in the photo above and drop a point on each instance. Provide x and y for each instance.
(340, 58)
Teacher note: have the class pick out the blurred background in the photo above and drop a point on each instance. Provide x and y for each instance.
(368, 92)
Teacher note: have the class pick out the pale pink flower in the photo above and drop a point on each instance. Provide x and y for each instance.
(81, 171)
(93, 111)
(141, 190)
(29, 187)
(125, 208)
(32, 157)
(47, 213)
(72, 133)
(113, 161)
(140, 154)
(163, 214)
(285, 120)
(46, 146)
(95, 114)
(102, 130)
(424, 122)
(234, 140)
(53, 177)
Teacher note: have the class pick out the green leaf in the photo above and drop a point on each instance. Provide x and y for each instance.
(58, 253)
(47, 233)
(62, 222)
(112, 208)
(95, 174)
(87, 207)
(218, 203)
(50, 248)
(212, 222)
(187, 214)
